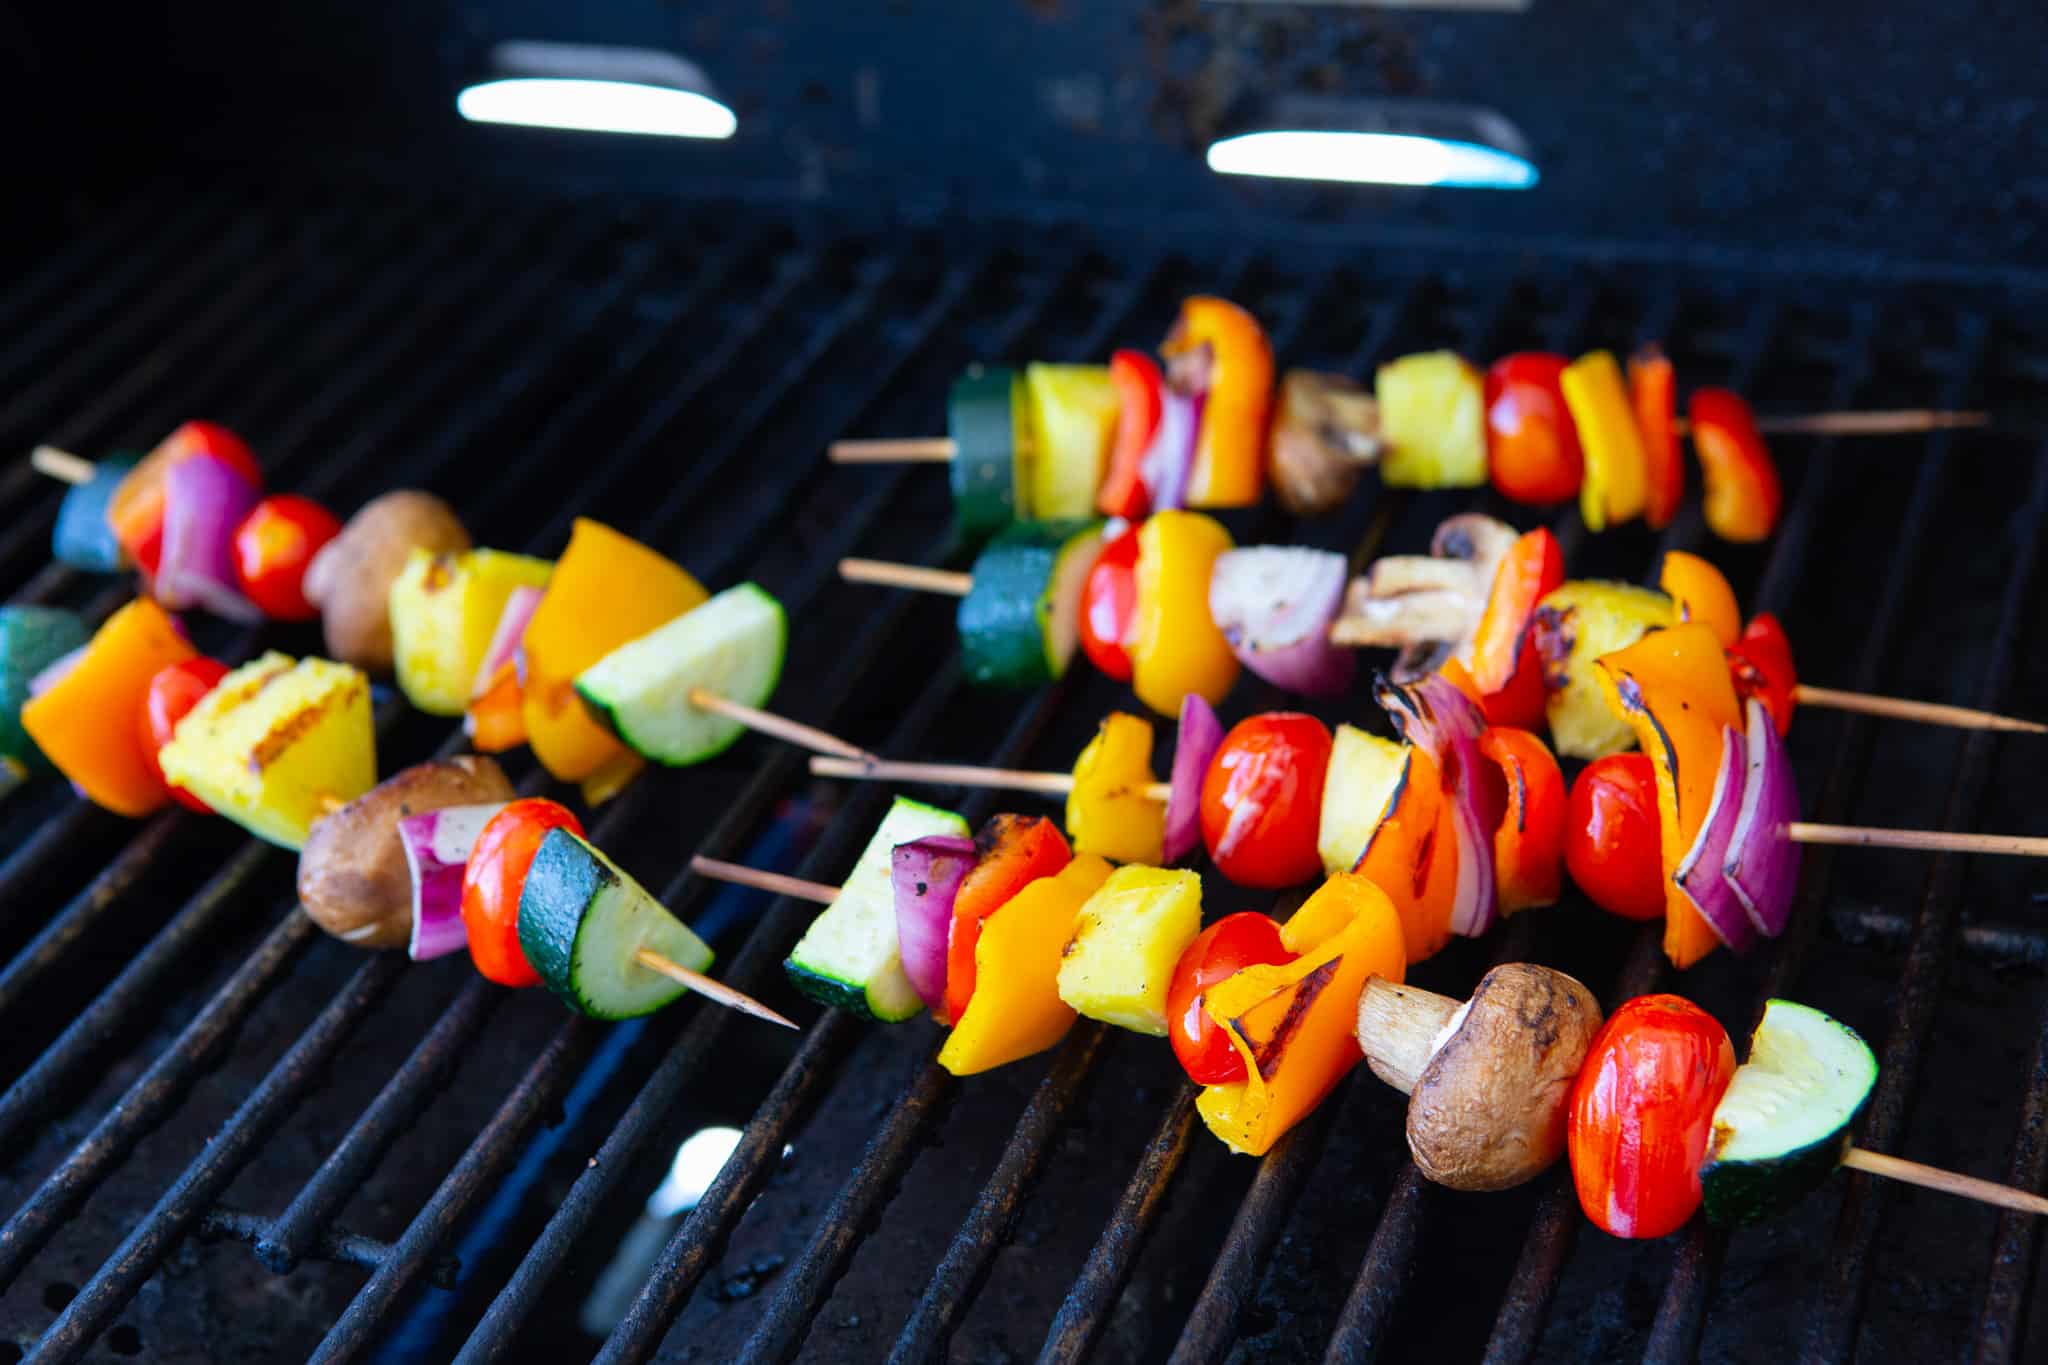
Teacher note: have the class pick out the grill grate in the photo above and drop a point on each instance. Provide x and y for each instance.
(195, 1075)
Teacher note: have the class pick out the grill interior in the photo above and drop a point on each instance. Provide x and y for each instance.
(201, 1089)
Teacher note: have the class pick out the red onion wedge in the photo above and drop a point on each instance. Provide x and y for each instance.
(205, 499)
(1274, 604)
(511, 629)
(1699, 873)
(925, 875)
(1170, 459)
(1201, 735)
(1762, 864)
(1437, 718)
(437, 845)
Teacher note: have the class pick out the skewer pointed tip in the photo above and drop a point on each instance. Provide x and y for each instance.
(711, 989)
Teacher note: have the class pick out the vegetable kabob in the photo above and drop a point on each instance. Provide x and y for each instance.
(1650, 1106)
(1133, 437)
(1010, 936)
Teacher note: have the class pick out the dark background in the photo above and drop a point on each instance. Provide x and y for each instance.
(1840, 132)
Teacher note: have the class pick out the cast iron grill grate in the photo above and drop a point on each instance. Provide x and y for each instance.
(438, 1168)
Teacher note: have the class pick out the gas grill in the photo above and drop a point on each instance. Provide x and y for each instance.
(230, 1137)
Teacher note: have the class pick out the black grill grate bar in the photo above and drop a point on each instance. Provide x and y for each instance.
(1681, 1316)
(64, 278)
(341, 1247)
(2000, 1322)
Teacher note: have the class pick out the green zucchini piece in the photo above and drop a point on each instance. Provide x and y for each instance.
(990, 470)
(849, 958)
(732, 646)
(1783, 1123)
(1021, 622)
(581, 920)
(82, 538)
(31, 639)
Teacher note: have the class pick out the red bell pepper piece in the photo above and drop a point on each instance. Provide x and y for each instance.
(1506, 667)
(1653, 391)
(1528, 848)
(1761, 665)
(1109, 606)
(1532, 445)
(1011, 852)
(1137, 381)
(1743, 494)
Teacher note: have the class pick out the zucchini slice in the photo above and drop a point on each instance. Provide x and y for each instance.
(850, 958)
(31, 639)
(991, 460)
(1784, 1121)
(732, 646)
(581, 919)
(1021, 622)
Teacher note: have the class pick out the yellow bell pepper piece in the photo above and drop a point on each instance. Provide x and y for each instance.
(1178, 648)
(1108, 810)
(1295, 1024)
(444, 610)
(1127, 940)
(1073, 416)
(276, 745)
(86, 724)
(607, 589)
(1230, 450)
(1433, 417)
(1673, 689)
(1016, 1008)
(1617, 483)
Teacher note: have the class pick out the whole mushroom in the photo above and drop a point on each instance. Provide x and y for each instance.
(1490, 1080)
(350, 579)
(353, 876)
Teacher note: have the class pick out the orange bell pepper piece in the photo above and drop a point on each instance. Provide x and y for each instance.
(1413, 857)
(85, 723)
(1016, 1009)
(1701, 594)
(1673, 689)
(1505, 663)
(1653, 389)
(1295, 1024)
(1011, 852)
(1743, 494)
(607, 589)
(1136, 378)
(1230, 452)
(1528, 848)
(496, 719)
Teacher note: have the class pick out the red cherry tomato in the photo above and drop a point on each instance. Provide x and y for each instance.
(1612, 837)
(1642, 1110)
(273, 546)
(1532, 448)
(1218, 953)
(493, 879)
(1761, 665)
(171, 694)
(1109, 606)
(1262, 800)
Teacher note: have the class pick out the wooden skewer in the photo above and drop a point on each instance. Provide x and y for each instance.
(1949, 1182)
(961, 775)
(1930, 840)
(1885, 422)
(913, 576)
(1927, 712)
(62, 465)
(711, 990)
(741, 875)
(768, 723)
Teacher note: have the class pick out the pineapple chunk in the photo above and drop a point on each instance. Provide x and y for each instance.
(1433, 418)
(275, 744)
(444, 608)
(1574, 625)
(1363, 781)
(1127, 939)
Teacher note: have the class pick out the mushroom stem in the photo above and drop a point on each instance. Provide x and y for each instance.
(1398, 1028)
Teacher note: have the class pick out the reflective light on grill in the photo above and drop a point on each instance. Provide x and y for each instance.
(596, 107)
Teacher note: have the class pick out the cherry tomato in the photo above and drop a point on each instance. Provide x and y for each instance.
(1219, 952)
(273, 546)
(136, 512)
(1761, 665)
(1532, 448)
(172, 693)
(1109, 606)
(493, 879)
(1262, 799)
(1641, 1112)
(1612, 836)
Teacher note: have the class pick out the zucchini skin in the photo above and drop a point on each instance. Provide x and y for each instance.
(31, 639)
(1004, 617)
(981, 417)
(1740, 1192)
(831, 991)
(560, 885)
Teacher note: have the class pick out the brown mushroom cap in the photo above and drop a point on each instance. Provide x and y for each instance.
(350, 579)
(1489, 1110)
(353, 877)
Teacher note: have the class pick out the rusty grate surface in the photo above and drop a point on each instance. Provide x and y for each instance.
(228, 1137)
